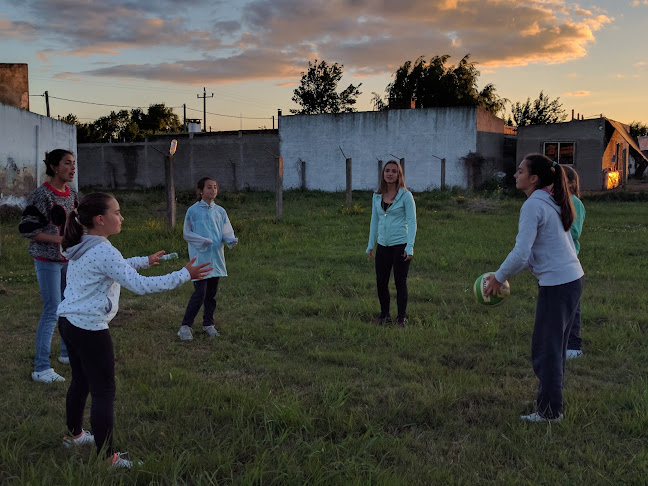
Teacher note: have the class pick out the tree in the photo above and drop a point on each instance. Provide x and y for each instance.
(317, 92)
(638, 129)
(125, 126)
(435, 84)
(542, 111)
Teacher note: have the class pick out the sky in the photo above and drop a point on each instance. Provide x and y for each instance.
(250, 53)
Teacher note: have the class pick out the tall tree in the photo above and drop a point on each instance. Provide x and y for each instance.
(434, 83)
(317, 92)
(541, 111)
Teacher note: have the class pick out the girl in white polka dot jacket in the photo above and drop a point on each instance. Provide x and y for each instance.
(96, 270)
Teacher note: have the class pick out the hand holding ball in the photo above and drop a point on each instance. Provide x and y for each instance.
(493, 299)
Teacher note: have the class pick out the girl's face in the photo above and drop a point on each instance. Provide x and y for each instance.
(66, 168)
(209, 191)
(109, 223)
(390, 173)
(524, 181)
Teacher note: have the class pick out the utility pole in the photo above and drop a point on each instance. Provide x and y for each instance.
(184, 117)
(47, 102)
(204, 97)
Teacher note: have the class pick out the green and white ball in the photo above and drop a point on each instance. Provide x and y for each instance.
(493, 299)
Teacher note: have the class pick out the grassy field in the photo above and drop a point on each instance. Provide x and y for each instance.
(301, 387)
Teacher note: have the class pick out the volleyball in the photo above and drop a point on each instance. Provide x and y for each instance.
(493, 299)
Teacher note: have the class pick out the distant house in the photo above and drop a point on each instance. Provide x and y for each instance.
(600, 149)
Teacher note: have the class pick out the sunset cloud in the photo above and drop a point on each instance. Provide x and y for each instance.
(577, 93)
(274, 39)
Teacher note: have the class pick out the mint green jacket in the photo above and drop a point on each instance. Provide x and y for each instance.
(577, 226)
(395, 226)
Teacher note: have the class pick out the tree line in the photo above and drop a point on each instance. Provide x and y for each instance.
(424, 84)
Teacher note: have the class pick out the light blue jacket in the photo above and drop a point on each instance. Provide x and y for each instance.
(395, 226)
(206, 228)
(542, 245)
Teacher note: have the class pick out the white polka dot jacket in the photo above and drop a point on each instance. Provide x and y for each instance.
(95, 274)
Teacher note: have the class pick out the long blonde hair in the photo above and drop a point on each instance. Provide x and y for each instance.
(572, 180)
(382, 188)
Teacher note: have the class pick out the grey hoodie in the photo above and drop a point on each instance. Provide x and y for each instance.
(95, 274)
(542, 245)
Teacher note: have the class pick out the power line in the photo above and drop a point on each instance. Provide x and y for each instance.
(130, 106)
(233, 116)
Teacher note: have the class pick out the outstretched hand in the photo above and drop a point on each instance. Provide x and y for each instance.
(155, 257)
(198, 272)
(492, 286)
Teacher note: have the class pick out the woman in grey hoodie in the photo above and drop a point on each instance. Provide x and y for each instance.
(544, 245)
(96, 272)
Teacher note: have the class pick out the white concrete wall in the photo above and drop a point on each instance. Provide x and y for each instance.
(24, 139)
(416, 135)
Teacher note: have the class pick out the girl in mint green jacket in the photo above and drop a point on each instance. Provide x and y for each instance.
(393, 228)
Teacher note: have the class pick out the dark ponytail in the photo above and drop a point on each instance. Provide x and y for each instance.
(549, 173)
(90, 206)
(53, 158)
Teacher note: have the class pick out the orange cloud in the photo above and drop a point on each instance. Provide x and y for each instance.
(577, 93)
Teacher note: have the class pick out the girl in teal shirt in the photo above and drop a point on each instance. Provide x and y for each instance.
(393, 228)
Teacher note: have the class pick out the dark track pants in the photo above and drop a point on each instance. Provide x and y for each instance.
(204, 295)
(555, 312)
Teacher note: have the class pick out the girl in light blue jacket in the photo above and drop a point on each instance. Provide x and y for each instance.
(206, 229)
(393, 228)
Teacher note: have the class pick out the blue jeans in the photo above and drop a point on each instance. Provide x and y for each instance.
(51, 279)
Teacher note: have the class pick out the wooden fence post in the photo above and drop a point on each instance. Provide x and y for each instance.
(170, 191)
(443, 173)
(303, 175)
(279, 189)
(349, 184)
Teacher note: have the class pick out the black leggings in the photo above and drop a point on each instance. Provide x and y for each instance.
(386, 258)
(93, 372)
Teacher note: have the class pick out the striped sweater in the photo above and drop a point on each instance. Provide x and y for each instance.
(46, 212)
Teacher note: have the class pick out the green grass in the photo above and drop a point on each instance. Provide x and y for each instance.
(301, 387)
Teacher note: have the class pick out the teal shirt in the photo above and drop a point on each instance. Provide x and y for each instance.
(395, 226)
(577, 226)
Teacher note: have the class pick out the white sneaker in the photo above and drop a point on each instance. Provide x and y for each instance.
(574, 353)
(536, 417)
(47, 376)
(64, 360)
(86, 438)
(120, 462)
(211, 330)
(185, 333)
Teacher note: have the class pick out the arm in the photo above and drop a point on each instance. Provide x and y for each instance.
(228, 233)
(373, 229)
(518, 259)
(35, 218)
(192, 238)
(410, 216)
(118, 269)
